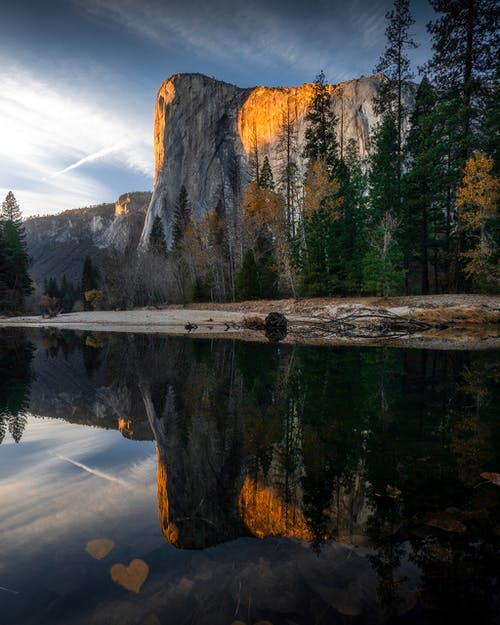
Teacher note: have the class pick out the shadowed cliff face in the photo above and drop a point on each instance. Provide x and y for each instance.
(59, 243)
(205, 131)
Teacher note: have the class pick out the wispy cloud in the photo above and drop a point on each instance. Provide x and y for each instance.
(51, 132)
(254, 31)
(91, 157)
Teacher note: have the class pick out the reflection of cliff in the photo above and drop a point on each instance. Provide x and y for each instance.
(231, 455)
(265, 513)
(82, 384)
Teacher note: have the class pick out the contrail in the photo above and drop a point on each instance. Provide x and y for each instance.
(96, 472)
(91, 157)
(14, 592)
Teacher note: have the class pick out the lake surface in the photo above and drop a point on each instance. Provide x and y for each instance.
(150, 480)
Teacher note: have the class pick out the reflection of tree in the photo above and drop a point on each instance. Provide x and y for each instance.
(3, 428)
(16, 355)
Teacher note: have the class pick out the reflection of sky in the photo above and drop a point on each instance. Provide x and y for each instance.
(66, 484)
(51, 507)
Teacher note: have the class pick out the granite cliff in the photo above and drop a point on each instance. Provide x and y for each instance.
(59, 243)
(205, 131)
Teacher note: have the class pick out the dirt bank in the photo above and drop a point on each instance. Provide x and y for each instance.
(458, 321)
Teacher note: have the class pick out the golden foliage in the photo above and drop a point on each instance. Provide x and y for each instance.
(94, 340)
(477, 200)
(263, 207)
(319, 190)
(95, 298)
(479, 193)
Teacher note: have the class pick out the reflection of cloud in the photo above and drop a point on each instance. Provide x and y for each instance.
(91, 157)
(96, 472)
(43, 504)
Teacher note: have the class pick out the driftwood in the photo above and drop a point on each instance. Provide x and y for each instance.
(362, 323)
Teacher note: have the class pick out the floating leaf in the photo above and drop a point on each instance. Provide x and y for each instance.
(99, 548)
(392, 492)
(131, 577)
(447, 524)
(494, 478)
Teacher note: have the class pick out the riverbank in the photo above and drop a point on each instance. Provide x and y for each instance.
(451, 321)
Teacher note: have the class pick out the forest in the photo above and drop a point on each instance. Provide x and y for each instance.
(420, 217)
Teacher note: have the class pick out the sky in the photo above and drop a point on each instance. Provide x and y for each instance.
(78, 78)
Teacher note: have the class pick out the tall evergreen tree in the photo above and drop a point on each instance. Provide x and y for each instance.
(424, 205)
(266, 180)
(384, 171)
(157, 239)
(395, 65)
(15, 282)
(90, 275)
(353, 221)
(288, 180)
(182, 217)
(464, 65)
(12, 212)
(320, 136)
(464, 68)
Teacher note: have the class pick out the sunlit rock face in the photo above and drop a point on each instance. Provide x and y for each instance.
(205, 131)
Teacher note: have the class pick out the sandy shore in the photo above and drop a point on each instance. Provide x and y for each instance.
(473, 321)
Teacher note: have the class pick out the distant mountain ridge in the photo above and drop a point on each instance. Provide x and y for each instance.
(58, 244)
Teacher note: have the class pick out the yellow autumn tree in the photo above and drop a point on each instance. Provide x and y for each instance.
(477, 202)
(264, 209)
(320, 190)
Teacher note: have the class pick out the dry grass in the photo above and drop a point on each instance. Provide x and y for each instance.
(458, 314)
(253, 323)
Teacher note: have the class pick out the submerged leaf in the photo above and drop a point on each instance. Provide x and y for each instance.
(131, 577)
(494, 478)
(99, 548)
(447, 524)
(392, 492)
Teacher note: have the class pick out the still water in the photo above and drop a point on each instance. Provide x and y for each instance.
(150, 480)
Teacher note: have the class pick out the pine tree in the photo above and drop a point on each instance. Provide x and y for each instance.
(90, 275)
(424, 204)
(321, 140)
(17, 425)
(12, 212)
(353, 226)
(182, 218)
(3, 427)
(157, 239)
(464, 68)
(465, 62)
(395, 66)
(254, 156)
(15, 282)
(384, 273)
(266, 180)
(247, 285)
(288, 182)
(384, 172)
